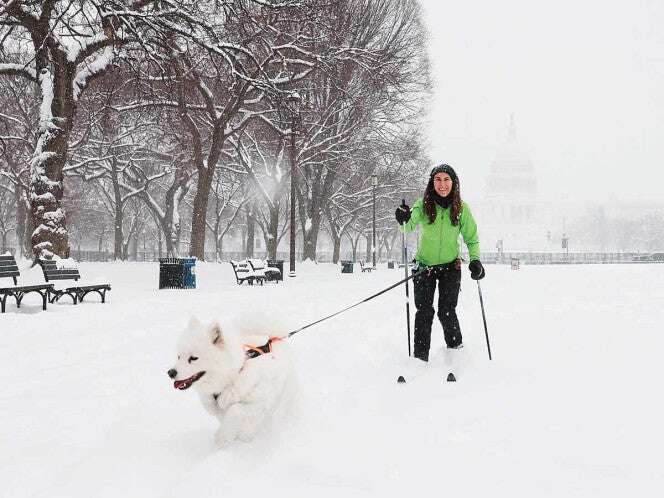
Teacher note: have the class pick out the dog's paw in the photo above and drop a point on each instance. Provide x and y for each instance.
(224, 438)
(246, 435)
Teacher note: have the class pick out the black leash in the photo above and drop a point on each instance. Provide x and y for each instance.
(361, 302)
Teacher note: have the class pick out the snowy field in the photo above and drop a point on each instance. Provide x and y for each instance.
(568, 407)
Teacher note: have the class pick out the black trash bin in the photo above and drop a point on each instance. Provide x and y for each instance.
(390, 265)
(277, 263)
(177, 273)
(346, 267)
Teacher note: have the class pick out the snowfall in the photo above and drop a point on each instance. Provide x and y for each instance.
(568, 407)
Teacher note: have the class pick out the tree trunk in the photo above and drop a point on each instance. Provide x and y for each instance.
(311, 206)
(170, 237)
(310, 236)
(251, 234)
(27, 230)
(199, 213)
(134, 246)
(336, 249)
(21, 213)
(118, 252)
(336, 237)
(353, 242)
(272, 239)
(46, 181)
(219, 249)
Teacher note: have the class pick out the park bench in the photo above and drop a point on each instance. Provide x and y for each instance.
(52, 271)
(261, 268)
(245, 273)
(366, 267)
(9, 268)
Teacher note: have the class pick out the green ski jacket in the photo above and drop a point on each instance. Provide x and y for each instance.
(439, 241)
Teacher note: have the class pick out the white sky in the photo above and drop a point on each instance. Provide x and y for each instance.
(584, 80)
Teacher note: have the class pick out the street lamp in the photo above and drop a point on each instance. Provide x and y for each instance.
(374, 184)
(293, 107)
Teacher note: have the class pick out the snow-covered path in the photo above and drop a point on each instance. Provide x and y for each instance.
(568, 407)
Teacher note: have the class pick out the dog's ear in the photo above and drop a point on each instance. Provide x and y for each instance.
(194, 323)
(215, 334)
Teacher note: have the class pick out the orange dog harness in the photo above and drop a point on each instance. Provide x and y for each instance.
(252, 351)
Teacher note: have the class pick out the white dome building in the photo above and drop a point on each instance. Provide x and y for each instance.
(511, 210)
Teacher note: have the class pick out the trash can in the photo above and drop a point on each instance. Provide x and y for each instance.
(279, 264)
(177, 273)
(390, 265)
(346, 267)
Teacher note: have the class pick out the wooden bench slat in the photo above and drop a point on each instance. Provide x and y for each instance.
(72, 273)
(60, 277)
(9, 290)
(89, 287)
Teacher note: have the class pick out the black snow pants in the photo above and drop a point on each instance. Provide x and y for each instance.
(448, 278)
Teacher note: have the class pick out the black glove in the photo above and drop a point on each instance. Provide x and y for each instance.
(402, 213)
(476, 270)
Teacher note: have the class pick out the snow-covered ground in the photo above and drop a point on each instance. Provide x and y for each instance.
(568, 407)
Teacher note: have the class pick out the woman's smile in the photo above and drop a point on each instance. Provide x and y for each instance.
(442, 184)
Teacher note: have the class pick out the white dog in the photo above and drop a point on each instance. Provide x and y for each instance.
(241, 378)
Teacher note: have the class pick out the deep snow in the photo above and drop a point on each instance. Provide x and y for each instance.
(568, 407)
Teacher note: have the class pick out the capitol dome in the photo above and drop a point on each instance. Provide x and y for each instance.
(511, 173)
(510, 211)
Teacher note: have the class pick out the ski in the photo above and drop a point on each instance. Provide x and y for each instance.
(446, 359)
(450, 378)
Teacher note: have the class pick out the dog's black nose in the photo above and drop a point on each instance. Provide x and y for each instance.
(172, 373)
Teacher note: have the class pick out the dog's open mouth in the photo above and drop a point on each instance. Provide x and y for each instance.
(186, 383)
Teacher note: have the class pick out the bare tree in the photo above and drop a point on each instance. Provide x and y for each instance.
(110, 151)
(265, 163)
(373, 82)
(228, 201)
(61, 46)
(7, 215)
(17, 122)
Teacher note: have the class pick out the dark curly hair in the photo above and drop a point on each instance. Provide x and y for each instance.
(430, 195)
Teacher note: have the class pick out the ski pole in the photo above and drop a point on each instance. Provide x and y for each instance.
(486, 332)
(405, 271)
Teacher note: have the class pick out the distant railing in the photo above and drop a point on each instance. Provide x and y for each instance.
(562, 258)
(209, 256)
(505, 258)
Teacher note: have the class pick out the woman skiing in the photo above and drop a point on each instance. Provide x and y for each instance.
(443, 216)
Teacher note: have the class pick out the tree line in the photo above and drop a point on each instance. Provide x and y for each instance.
(184, 119)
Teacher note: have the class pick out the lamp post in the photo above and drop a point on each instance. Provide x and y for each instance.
(293, 107)
(374, 184)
